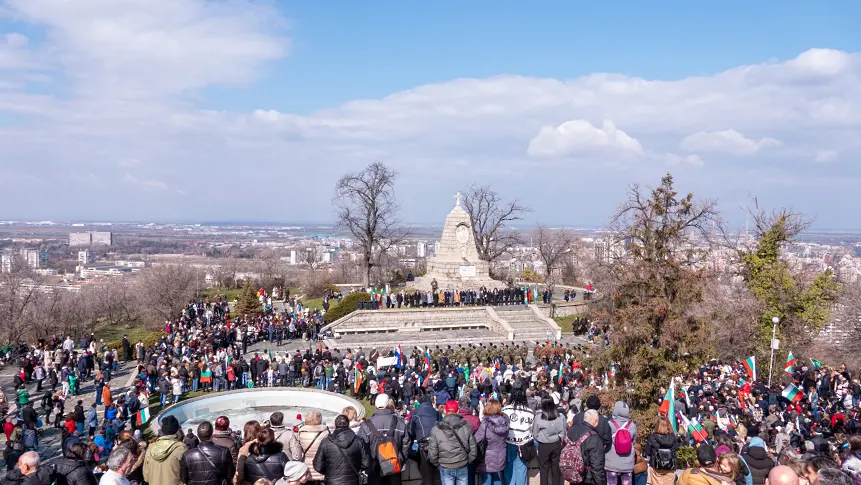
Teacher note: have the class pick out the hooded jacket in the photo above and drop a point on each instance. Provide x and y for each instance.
(494, 429)
(452, 443)
(340, 457)
(162, 461)
(612, 461)
(758, 461)
(423, 421)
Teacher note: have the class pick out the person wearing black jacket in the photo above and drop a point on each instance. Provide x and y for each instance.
(342, 456)
(660, 452)
(265, 458)
(74, 466)
(592, 447)
(208, 463)
(603, 426)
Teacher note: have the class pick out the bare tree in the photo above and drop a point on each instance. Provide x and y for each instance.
(490, 217)
(270, 266)
(366, 206)
(552, 245)
(310, 256)
(17, 295)
(164, 290)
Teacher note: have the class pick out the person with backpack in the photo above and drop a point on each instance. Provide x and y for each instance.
(619, 461)
(660, 452)
(582, 457)
(386, 436)
(452, 446)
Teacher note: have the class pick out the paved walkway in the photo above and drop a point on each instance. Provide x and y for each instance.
(50, 439)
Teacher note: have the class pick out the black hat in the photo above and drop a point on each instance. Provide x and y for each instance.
(593, 402)
(169, 425)
(706, 455)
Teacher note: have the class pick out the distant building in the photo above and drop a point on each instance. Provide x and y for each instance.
(293, 256)
(35, 258)
(6, 261)
(90, 238)
(421, 249)
(86, 257)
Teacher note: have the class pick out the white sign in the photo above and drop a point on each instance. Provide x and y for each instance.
(467, 271)
(386, 361)
(775, 344)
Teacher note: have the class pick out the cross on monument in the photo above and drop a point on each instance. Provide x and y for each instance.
(457, 199)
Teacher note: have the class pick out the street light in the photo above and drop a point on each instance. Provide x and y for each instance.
(775, 321)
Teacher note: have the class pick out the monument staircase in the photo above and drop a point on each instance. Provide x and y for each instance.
(433, 326)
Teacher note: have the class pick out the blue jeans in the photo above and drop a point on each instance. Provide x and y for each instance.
(194, 384)
(488, 478)
(163, 399)
(515, 468)
(99, 395)
(453, 476)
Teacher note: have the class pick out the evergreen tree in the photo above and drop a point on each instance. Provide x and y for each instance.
(247, 303)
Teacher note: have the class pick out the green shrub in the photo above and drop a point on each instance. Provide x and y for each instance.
(348, 305)
(687, 456)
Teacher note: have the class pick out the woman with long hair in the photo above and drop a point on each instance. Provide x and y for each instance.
(661, 448)
(548, 429)
(265, 458)
(521, 450)
(249, 435)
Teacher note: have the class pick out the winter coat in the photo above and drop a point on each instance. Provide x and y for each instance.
(657, 442)
(14, 477)
(614, 462)
(759, 462)
(162, 461)
(470, 418)
(292, 447)
(340, 456)
(310, 437)
(493, 429)
(195, 467)
(382, 420)
(603, 429)
(593, 452)
(225, 440)
(77, 472)
(423, 421)
(444, 448)
(265, 462)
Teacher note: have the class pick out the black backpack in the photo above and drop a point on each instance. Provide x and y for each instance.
(663, 459)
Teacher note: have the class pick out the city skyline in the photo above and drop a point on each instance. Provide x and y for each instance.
(249, 111)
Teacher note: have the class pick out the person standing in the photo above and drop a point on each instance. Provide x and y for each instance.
(162, 460)
(549, 431)
(592, 447)
(521, 450)
(342, 456)
(660, 452)
(422, 423)
(385, 425)
(452, 446)
(619, 461)
(207, 463)
(127, 349)
(494, 431)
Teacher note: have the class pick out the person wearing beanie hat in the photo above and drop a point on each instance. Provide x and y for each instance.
(295, 473)
(342, 455)
(384, 422)
(452, 446)
(603, 428)
(162, 462)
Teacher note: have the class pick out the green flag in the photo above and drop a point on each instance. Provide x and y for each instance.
(816, 364)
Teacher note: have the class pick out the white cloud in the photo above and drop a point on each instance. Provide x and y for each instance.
(726, 141)
(825, 156)
(692, 159)
(134, 75)
(579, 137)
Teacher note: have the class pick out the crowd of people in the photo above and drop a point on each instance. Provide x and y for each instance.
(465, 414)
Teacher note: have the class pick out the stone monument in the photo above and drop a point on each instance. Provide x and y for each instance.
(457, 266)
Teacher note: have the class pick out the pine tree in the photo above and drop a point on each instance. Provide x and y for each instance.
(248, 303)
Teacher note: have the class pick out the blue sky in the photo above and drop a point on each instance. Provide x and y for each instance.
(144, 110)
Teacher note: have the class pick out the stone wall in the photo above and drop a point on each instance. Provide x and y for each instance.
(565, 309)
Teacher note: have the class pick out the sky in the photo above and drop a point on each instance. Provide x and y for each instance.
(241, 110)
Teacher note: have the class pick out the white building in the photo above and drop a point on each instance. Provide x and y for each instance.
(421, 249)
(35, 258)
(89, 238)
(86, 257)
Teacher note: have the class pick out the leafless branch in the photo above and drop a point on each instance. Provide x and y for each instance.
(491, 217)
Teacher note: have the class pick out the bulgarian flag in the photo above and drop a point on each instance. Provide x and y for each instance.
(694, 428)
(142, 416)
(816, 364)
(560, 372)
(790, 363)
(360, 376)
(792, 392)
(750, 366)
(668, 406)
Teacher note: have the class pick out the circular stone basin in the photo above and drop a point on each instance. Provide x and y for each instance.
(245, 405)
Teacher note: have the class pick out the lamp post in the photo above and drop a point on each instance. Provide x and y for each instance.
(775, 321)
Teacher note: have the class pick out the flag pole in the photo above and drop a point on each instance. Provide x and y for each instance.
(775, 321)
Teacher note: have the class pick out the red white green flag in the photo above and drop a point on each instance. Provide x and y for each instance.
(668, 406)
(790, 363)
(750, 366)
(792, 392)
(143, 416)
